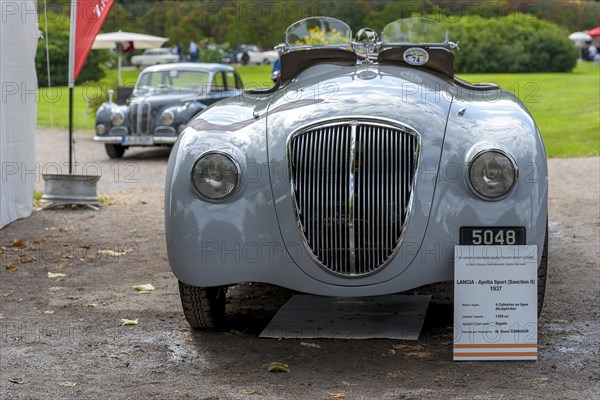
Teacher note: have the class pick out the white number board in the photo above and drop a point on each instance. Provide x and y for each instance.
(495, 303)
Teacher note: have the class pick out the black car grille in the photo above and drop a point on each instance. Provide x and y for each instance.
(351, 185)
(140, 118)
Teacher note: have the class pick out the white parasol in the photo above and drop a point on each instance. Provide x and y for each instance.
(116, 40)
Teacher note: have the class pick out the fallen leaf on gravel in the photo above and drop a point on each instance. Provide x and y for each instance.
(112, 253)
(17, 243)
(421, 354)
(249, 391)
(68, 384)
(311, 345)
(396, 374)
(129, 321)
(55, 288)
(5, 294)
(90, 305)
(560, 321)
(1, 316)
(144, 288)
(278, 367)
(11, 267)
(49, 312)
(408, 347)
(56, 276)
(336, 395)
(16, 380)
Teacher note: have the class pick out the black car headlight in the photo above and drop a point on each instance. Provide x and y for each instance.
(492, 174)
(117, 118)
(167, 117)
(215, 175)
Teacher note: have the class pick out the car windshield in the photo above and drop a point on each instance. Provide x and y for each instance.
(330, 32)
(414, 31)
(318, 31)
(173, 80)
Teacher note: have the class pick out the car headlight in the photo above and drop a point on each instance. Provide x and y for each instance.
(100, 129)
(167, 117)
(492, 174)
(117, 118)
(215, 175)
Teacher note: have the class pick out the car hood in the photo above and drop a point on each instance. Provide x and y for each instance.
(390, 93)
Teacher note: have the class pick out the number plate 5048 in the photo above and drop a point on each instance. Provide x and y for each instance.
(492, 236)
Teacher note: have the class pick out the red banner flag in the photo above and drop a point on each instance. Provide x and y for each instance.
(87, 17)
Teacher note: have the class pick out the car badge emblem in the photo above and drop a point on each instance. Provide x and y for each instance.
(416, 56)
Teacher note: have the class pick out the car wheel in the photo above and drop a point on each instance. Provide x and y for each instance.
(266, 61)
(114, 150)
(204, 307)
(542, 274)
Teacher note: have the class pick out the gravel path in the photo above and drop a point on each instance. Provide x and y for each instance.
(63, 339)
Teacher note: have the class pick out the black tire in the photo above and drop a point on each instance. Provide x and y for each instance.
(204, 307)
(542, 274)
(114, 150)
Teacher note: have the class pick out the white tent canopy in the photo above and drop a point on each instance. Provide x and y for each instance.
(18, 42)
(139, 40)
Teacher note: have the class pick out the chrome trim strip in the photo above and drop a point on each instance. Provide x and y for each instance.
(117, 140)
(350, 213)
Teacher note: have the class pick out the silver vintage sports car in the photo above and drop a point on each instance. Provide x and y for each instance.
(356, 175)
(164, 99)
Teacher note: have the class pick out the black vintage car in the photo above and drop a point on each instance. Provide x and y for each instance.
(164, 99)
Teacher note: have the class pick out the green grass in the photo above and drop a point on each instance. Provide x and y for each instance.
(566, 106)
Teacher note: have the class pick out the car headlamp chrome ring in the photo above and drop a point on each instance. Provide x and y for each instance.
(215, 175)
(117, 118)
(492, 174)
(167, 117)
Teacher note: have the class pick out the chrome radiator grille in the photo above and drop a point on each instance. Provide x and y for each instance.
(140, 118)
(351, 184)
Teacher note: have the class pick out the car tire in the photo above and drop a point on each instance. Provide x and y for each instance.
(266, 61)
(203, 307)
(114, 150)
(542, 273)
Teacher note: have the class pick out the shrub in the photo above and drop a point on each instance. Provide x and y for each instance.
(58, 48)
(515, 43)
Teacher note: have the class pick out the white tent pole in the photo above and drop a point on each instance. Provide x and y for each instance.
(48, 63)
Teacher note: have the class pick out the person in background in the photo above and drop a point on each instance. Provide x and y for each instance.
(193, 49)
(592, 52)
(180, 52)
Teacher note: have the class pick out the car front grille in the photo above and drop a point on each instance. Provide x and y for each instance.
(140, 118)
(351, 184)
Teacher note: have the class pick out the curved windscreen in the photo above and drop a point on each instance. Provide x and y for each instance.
(318, 31)
(414, 30)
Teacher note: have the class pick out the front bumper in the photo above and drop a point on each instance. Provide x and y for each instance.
(118, 140)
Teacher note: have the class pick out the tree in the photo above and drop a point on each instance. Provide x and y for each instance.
(58, 49)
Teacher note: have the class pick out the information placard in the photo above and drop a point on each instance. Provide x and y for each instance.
(495, 303)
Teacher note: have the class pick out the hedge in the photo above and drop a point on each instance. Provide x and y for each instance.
(515, 43)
